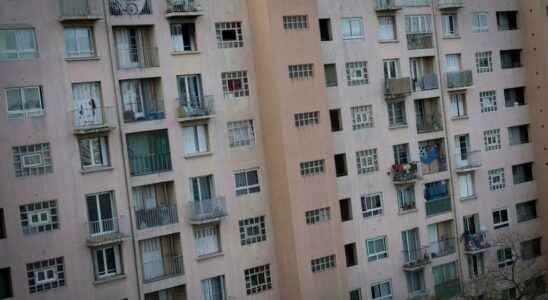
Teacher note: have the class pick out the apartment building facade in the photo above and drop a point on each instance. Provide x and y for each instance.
(309, 149)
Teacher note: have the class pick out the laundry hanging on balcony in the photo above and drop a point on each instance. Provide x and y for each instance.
(430, 155)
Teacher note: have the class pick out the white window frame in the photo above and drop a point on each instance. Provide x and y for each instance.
(458, 105)
(382, 297)
(228, 78)
(496, 179)
(418, 24)
(301, 72)
(362, 117)
(492, 140)
(393, 113)
(367, 161)
(39, 214)
(356, 73)
(502, 223)
(30, 157)
(469, 190)
(24, 113)
(199, 143)
(507, 261)
(484, 62)
(322, 264)
(76, 34)
(252, 230)
(311, 168)
(488, 101)
(367, 205)
(107, 272)
(247, 188)
(178, 38)
(241, 133)
(391, 68)
(386, 23)
(318, 215)
(307, 119)
(19, 52)
(51, 270)
(207, 239)
(380, 254)
(229, 26)
(352, 28)
(96, 162)
(296, 22)
(449, 21)
(480, 22)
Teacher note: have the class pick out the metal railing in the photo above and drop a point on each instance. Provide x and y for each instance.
(416, 257)
(129, 8)
(405, 172)
(425, 83)
(435, 166)
(103, 227)
(195, 107)
(397, 86)
(468, 160)
(183, 6)
(459, 79)
(152, 110)
(79, 8)
(155, 217)
(429, 123)
(475, 242)
(142, 57)
(88, 118)
(143, 164)
(443, 247)
(419, 41)
(447, 289)
(166, 266)
(206, 210)
(438, 205)
(411, 3)
(450, 3)
(386, 5)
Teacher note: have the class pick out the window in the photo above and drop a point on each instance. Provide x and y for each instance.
(522, 173)
(382, 291)
(391, 68)
(247, 182)
(505, 257)
(235, 84)
(39, 217)
(2, 225)
(257, 279)
(94, 152)
(330, 71)
(518, 134)
(312, 168)
(346, 209)
(458, 106)
(323, 263)
(340, 165)
(356, 294)
(252, 230)
(196, 139)
(417, 24)
(484, 62)
(372, 205)
(401, 154)
(25, 102)
(352, 28)
(376, 248)
(488, 101)
(510, 58)
(406, 198)
(350, 254)
(45, 275)
(509, 293)
(295, 22)
(396, 114)
(79, 42)
(18, 44)
(450, 25)
(480, 22)
(301, 72)
(492, 139)
(356, 73)
(213, 288)
(476, 266)
(507, 20)
(241, 133)
(183, 37)
(317, 215)
(107, 262)
(415, 281)
(367, 161)
(496, 179)
(387, 28)
(336, 120)
(526, 211)
(325, 30)
(307, 119)
(500, 218)
(530, 249)
(32, 160)
(207, 239)
(466, 186)
(362, 117)
(6, 290)
(229, 34)
(514, 96)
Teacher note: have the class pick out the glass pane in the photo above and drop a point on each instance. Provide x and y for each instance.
(15, 101)
(32, 98)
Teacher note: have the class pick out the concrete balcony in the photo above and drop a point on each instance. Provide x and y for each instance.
(450, 4)
(427, 82)
(130, 7)
(415, 259)
(468, 162)
(183, 8)
(206, 211)
(416, 41)
(387, 6)
(405, 173)
(199, 108)
(162, 268)
(88, 120)
(79, 10)
(443, 248)
(104, 231)
(397, 87)
(459, 80)
(475, 243)
(156, 217)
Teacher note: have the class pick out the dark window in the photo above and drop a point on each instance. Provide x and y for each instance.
(514, 96)
(330, 75)
(510, 58)
(507, 20)
(530, 249)
(340, 165)
(346, 209)
(522, 173)
(325, 30)
(356, 295)
(518, 134)
(5, 284)
(2, 225)
(336, 121)
(527, 210)
(350, 252)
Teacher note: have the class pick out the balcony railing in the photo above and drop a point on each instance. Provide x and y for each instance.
(446, 4)
(144, 164)
(104, 231)
(89, 120)
(429, 123)
(443, 247)
(436, 165)
(459, 79)
(79, 10)
(417, 41)
(447, 289)
(155, 217)
(412, 3)
(475, 242)
(130, 7)
(468, 160)
(138, 58)
(416, 258)
(438, 205)
(164, 267)
(199, 107)
(425, 83)
(153, 110)
(387, 5)
(206, 210)
(405, 173)
(397, 86)
(184, 7)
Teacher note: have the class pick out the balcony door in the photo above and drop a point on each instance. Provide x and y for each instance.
(153, 262)
(463, 149)
(129, 42)
(411, 244)
(87, 104)
(202, 188)
(138, 96)
(101, 213)
(190, 90)
(471, 224)
(453, 63)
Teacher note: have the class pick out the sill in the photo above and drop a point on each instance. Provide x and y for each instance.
(409, 211)
(195, 155)
(451, 37)
(457, 118)
(177, 53)
(209, 256)
(109, 279)
(83, 58)
(361, 37)
(469, 198)
(96, 169)
(397, 126)
(389, 41)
